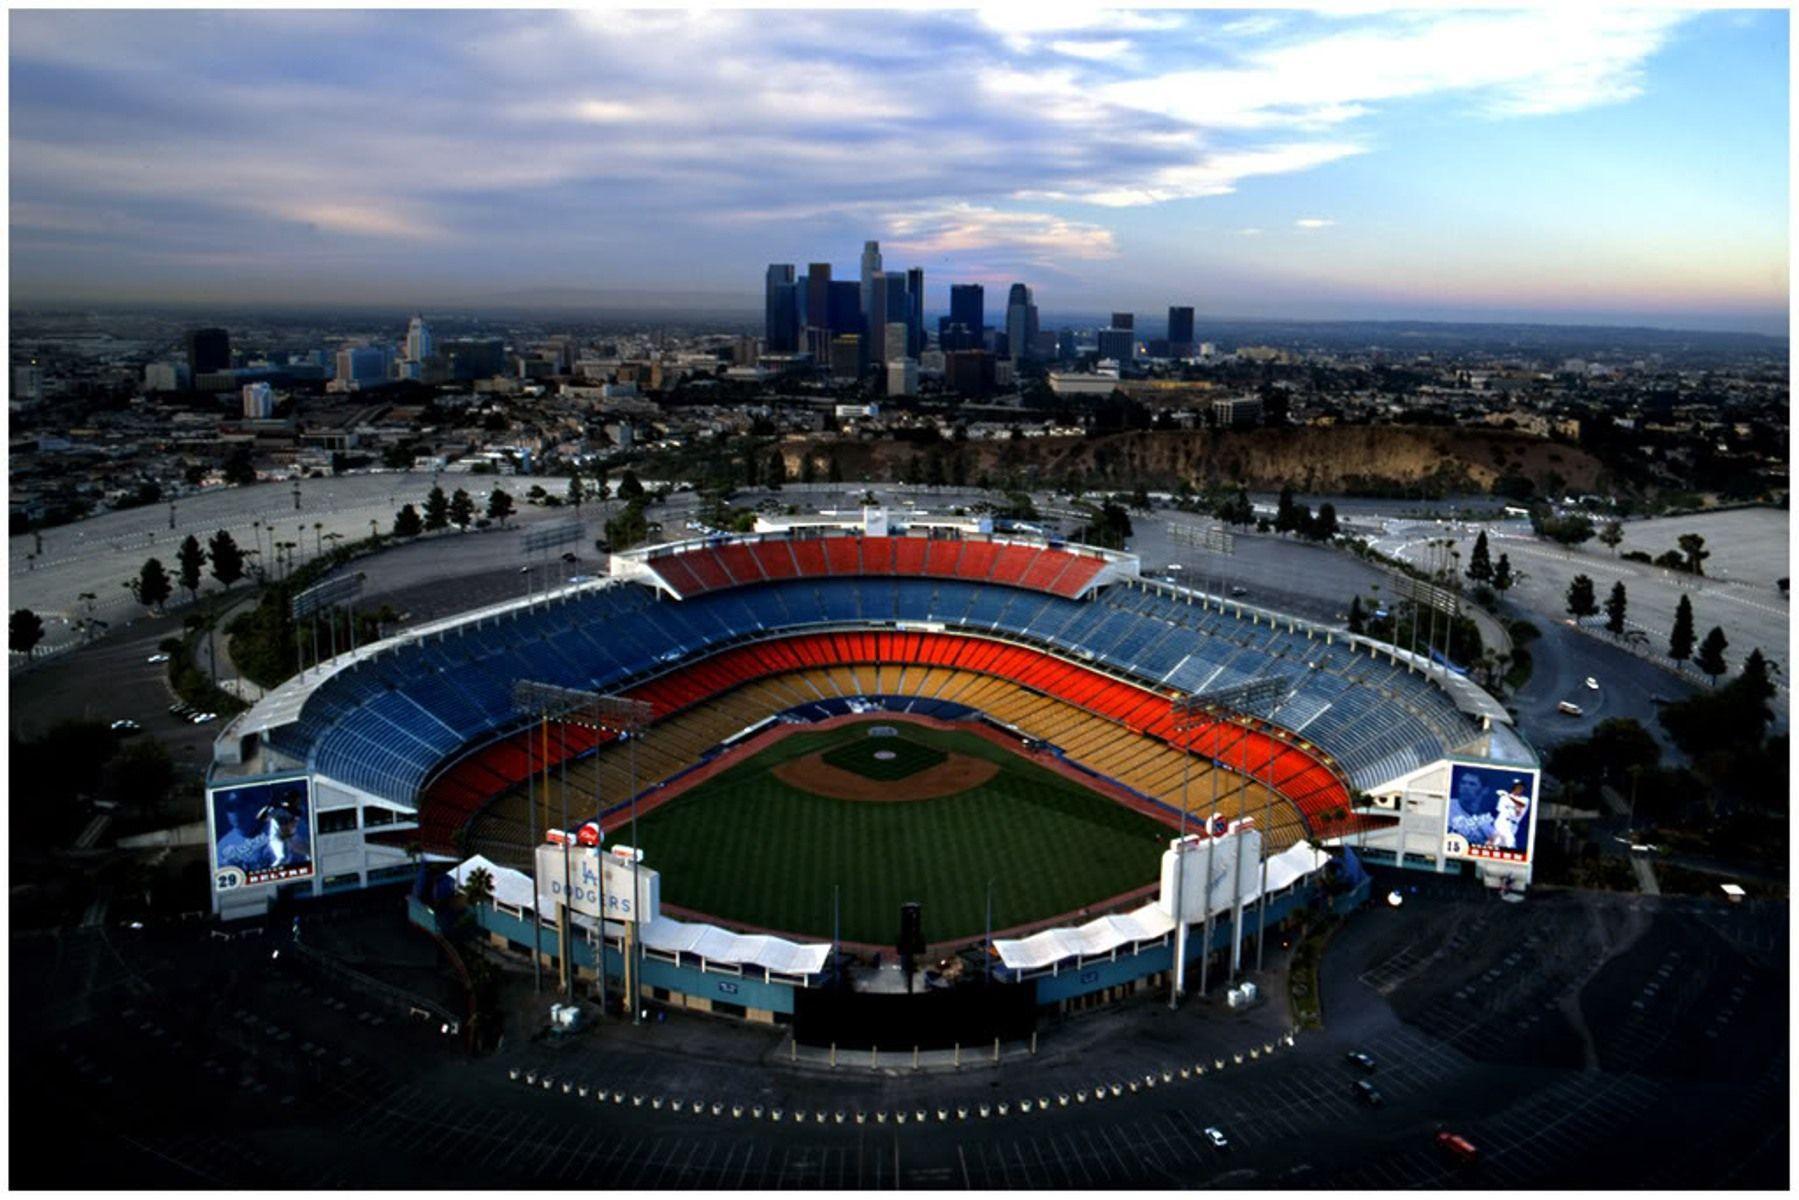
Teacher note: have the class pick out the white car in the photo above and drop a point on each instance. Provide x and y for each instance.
(1216, 1136)
(158, 658)
(1592, 684)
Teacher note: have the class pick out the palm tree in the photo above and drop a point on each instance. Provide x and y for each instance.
(477, 889)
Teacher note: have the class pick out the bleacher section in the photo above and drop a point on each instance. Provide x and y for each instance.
(693, 570)
(390, 721)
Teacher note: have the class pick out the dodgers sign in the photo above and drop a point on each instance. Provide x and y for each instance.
(598, 883)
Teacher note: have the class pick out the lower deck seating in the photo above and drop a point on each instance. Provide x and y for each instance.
(1135, 740)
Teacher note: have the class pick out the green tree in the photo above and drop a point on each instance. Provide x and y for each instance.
(835, 473)
(628, 486)
(1711, 654)
(152, 587)
(462, 510)
(1581, 601)
(24, 631)
(576, 491)
(1357, 620)
(477, 888)
(499, 505)
(776, 473)
(189, 559)
(227, 559)
(1503, 578)
(1680, 642)
(1323, 527)
(408, 523)
(808, 468)
(1284, 519)
(1692, 549)
(238, 468)
(1480, 562)
(1615, 608)
(1610, 535)
(437, 510)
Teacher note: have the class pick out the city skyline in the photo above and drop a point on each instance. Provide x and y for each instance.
(1601, 167)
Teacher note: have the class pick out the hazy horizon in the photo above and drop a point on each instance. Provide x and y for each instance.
(1598, 167)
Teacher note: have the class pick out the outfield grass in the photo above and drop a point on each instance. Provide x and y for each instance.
(746, 847)
(910, 756)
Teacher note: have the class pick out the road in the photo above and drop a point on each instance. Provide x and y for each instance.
(1738, 594)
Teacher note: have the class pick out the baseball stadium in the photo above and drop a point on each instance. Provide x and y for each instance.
(777, 758)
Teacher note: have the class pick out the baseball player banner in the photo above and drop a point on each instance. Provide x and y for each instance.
(1492, 813)
(261, 833)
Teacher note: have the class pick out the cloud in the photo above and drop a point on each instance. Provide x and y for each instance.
(1529, 62)
(957, 228)
(1314, 222)
(583, 142)
(1094, 51)
(1251, 232)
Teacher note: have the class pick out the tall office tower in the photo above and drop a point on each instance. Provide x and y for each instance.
(1123, 321)
(818, 295)
(968, 308)
(874, 309)
(418, 340)
(871, 267)
(778, 328)
(899, 307)
(259, 401)
(1021, 322)
(208, 350)
(894, 341)
(846, 349)
(915, 317)
(1180, 331)
(843, 315)
(1118, 344)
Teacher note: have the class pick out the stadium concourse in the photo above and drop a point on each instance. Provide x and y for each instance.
(1314, 736)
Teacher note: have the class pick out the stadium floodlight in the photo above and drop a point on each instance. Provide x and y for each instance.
(1197, 708)
(550, 535)
(1430, 595)
(330, 594)
(1213, 538)
(591, 710)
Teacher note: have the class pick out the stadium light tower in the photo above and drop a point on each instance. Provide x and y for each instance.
(1192, 713)
(604, 714)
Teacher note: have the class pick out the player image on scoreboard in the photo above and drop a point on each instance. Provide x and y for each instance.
(262, 833)
(1490, 813)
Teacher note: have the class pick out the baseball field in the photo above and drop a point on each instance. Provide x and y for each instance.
(888, 812)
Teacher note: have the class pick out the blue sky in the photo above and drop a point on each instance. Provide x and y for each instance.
(1598, 164)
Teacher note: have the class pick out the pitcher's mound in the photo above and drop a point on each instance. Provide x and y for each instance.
(956, 773)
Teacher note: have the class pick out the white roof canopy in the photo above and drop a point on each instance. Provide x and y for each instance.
(665, 934)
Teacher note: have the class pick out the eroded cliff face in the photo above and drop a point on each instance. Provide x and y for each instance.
(1340, 459)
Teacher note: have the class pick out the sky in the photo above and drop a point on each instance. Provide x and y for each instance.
(1593, 165)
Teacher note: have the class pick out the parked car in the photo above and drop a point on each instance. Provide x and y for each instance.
(126, 725)
(1367, 1093)
(1592, 684)
(1216, 1136)
(568, 556)
(158, 657)
(203, 718)
(1457, 1147)
(1361, 1059)
(1570, 709)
